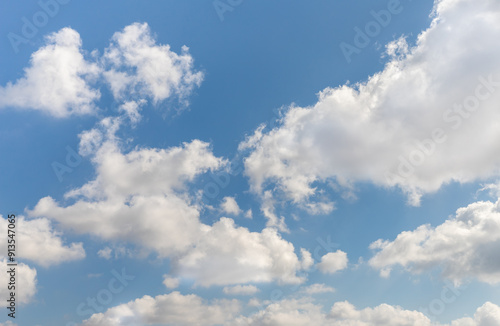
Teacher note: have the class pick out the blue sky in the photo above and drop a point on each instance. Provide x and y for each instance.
(248, 178)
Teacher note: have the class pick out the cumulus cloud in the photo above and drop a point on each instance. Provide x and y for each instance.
(333, 262)
(170, 282)
(143, 197)
(465, 246)
(428, 118)
(317, 288)
(8, 323)
(240, 290)
(227, 254)
(169, 310)
(140, 66)
(58, 80)
(304, 312)
(105, 253)
(487, 315)
(135, 196)
(230, 206)
(41, 244)
(25, 279)
(178, 309)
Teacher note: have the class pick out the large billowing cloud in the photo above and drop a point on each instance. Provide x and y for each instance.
(428, 118)
(58, 79)
(465, 246)
(142, 197)
(40, 243)
(177, 309)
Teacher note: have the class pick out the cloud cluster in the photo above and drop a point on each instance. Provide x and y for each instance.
(465, 246)
(178, 309)
(62, 79)
(142, 197)
(428, 118)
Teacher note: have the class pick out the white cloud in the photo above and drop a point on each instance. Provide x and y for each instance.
(143, 197)
(307, 260)
(304, 312)
(317, 288)
(467, 245)
(139, 66)
(8, 323)
(230, 206)
(268, 210)
(227, 254)
(131, 110)
(105, 253)
(248, 214)
(134, 197)
(240, 290)
(57, 81)
(169, 310)
(333, 262)
(363, 132)
(486, 315)
(170, 282)
(40, 243)
(177, 309)
(344, 313)
(25, 283)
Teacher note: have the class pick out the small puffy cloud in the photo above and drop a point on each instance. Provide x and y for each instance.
(141, 67)
(333, 262)
(169, 310)
(230, 206)
(240, 290)
(465, 246)
(25, 279)
(8, 323)
(40, 243)
(105, 253)
(58, 80)
(170, 282)
(307, 260)
(428, 118)
(248, 214)
(317, 288)
(268, 210)
(131, 110)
